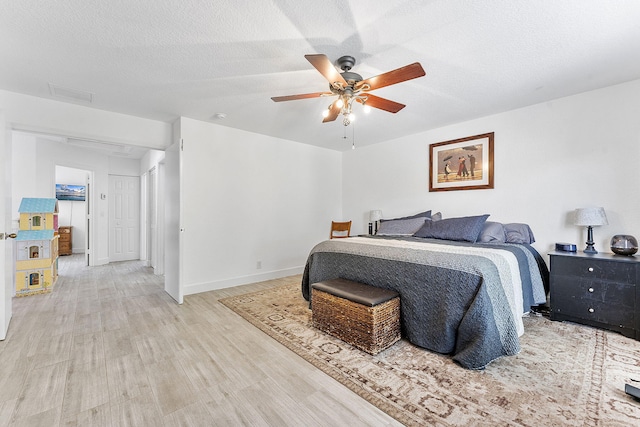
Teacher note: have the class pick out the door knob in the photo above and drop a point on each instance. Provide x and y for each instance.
(8, 236)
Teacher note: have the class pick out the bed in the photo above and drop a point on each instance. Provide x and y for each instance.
(461, 295)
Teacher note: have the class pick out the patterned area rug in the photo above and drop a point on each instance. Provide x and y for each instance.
(565, 375)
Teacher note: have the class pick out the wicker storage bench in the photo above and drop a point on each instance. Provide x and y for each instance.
(364, 316)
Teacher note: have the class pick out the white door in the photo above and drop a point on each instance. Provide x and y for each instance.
(159, 267)
(6, 246)
(124, 218)
(88, 221)
(153, 219)
(172, 221)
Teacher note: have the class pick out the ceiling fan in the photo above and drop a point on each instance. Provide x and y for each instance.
(350, 87)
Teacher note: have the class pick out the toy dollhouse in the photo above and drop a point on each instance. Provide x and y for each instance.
(37, 246)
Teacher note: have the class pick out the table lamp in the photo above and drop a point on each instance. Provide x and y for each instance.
(375, 216)
(590, 217)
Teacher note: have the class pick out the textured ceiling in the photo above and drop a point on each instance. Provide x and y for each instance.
(161, 59)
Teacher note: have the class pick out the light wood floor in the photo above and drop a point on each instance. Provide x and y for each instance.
(108, 347)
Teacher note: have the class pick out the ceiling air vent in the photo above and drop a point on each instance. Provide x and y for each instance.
(70, 94)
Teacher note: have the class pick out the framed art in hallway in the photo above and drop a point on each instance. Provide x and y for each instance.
(462, 164)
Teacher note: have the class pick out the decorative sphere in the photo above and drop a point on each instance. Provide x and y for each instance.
(624, 244)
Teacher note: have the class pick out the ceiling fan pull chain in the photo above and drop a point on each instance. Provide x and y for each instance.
(353, 137)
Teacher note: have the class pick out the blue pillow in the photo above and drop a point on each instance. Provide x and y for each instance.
(466, 228)
(492, 232)
(425, 214)
(401, 227)
(518, 233)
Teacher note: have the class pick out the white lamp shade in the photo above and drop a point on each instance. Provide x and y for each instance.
(375, 215)
(591, 217)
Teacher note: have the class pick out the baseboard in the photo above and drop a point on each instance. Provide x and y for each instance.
(242, 280)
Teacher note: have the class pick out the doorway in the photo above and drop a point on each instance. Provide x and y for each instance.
(74, 213)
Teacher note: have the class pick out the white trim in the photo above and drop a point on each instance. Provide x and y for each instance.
(241, 280)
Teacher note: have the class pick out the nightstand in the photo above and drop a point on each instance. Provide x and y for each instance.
(64, 242)
(601, 290)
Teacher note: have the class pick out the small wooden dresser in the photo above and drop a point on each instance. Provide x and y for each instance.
(64, 242)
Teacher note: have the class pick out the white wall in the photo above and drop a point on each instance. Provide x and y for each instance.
(124, 166)
(250, 198)
(150, 160)
(33, 114)
(550, 159)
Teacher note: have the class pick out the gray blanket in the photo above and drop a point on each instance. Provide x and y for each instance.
(454, 300)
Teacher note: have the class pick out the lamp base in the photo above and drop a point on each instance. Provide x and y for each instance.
(590, 249)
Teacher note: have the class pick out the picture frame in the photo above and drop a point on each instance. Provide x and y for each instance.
(462, 164)
(71, 192)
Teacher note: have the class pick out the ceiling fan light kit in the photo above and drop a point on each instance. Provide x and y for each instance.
(350, 87)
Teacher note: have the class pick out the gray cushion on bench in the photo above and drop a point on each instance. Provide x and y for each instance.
(355, 291)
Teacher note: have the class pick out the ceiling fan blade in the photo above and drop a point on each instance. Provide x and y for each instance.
(399, 75)
(382, 103)
(326, 68)
(334, 111)
(301, 96)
